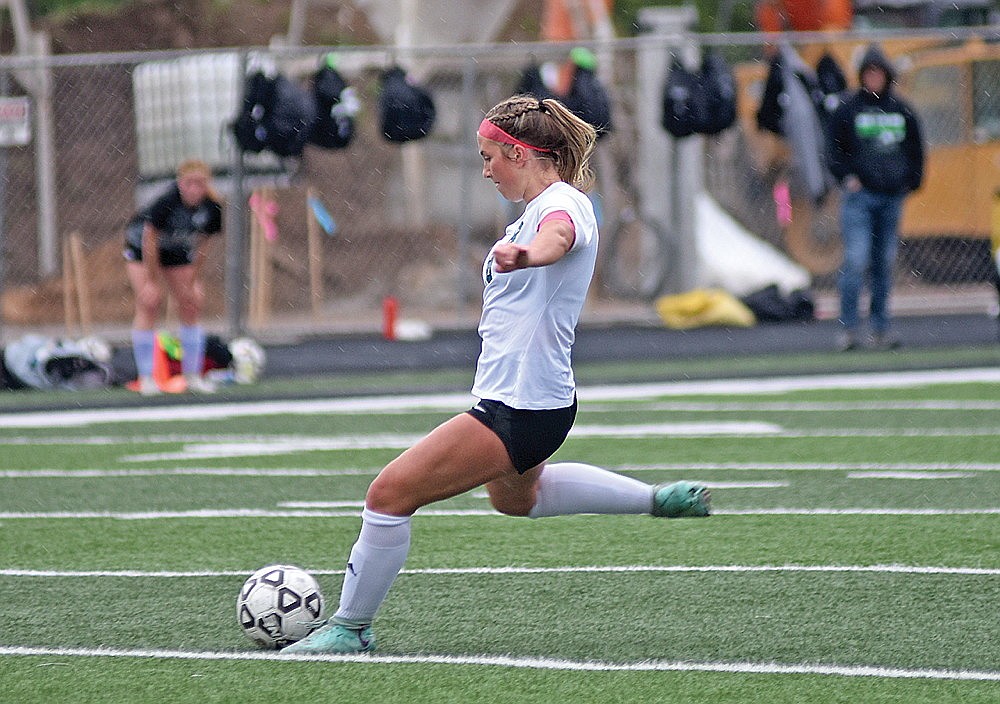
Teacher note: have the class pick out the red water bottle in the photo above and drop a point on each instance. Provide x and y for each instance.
(390, 308)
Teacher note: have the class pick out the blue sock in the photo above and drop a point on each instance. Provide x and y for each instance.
(143, 346)
(192, 349)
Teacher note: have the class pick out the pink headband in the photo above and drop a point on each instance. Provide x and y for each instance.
(487, 130)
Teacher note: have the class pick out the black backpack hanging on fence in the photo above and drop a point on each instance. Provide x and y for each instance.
(258, 99)
(407, 111)
(588, 99)
(291, 118)
(336, 106)
(277, 115)
(719, 87)
(829, 75)
(832, 82)
(680, 94)
(785, 67)
(769, 111)
(702, 102)
(532, 83)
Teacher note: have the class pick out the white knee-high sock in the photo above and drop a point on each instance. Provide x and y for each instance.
(571, 487)
(192, 349)
(143, 349)
(375, 560)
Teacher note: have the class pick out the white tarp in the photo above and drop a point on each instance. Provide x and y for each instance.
(732, 258)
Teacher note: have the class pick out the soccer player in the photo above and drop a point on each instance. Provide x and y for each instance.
(163, 243)
(536, 279)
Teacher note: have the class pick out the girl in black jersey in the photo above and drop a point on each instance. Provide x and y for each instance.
(163, 245)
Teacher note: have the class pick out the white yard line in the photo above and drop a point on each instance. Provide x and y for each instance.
(814, 467)
(799, 406)
(910, 475)
(459, 401)
(510, 661)
(321, 504)
(679, 406)
(335, 513)
(284, 446)
(183, 472)
(484, 495)
(778, 385)
(944, 469)
(585, 569)
(256, 445)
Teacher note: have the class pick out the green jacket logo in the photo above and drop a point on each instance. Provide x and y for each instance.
(886, 129)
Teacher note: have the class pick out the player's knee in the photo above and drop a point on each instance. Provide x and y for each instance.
(511, 505)
(191, 305)
(149, 299)
(385, 496)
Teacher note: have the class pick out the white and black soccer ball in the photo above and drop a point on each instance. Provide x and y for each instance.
(249, 359)
(278, 605)
(97, 347)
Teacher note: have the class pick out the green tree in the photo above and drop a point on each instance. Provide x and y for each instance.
(713, 15)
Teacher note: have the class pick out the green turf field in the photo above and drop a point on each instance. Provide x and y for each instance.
(854, 554)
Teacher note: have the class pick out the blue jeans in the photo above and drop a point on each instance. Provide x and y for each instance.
(869, 222)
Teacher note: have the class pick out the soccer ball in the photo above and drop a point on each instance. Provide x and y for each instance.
(96, 347)
(248, 360)
(278, 605)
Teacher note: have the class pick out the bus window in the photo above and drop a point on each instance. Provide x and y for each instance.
(936, 93)
(986, 100)
(964, 17)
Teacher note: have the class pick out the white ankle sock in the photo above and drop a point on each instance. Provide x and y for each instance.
(376, 559)
(571, 487)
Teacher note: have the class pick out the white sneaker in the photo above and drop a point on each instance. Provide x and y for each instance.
(199, 385)
(148, 386)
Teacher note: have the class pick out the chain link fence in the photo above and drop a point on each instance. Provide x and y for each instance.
(414, 221)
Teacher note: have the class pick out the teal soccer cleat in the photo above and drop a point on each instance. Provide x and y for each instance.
(681, 500)
(333, 639)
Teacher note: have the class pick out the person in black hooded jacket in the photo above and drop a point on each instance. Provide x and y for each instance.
(876, 154)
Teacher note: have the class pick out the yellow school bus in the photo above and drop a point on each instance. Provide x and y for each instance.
(956, 93)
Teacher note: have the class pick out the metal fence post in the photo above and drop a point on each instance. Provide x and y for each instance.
(464, 225)
(236, 232)
(669, 176)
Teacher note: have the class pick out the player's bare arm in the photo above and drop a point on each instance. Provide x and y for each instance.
(552, 242)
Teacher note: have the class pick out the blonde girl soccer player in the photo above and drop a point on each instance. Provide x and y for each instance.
(163, 243)
(536, 279)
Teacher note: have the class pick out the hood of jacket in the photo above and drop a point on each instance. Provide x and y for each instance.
(874, 56)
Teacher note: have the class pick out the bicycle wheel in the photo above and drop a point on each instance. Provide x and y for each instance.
(637, 257)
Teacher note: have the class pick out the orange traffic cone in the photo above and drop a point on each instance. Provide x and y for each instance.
(167, 382)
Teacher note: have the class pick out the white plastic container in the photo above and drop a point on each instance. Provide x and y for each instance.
(183, 109)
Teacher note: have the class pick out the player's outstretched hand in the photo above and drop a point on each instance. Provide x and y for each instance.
(510, 257)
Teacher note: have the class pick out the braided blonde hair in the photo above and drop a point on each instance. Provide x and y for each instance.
(548, 124)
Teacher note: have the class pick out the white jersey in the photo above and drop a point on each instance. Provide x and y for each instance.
(529, 316)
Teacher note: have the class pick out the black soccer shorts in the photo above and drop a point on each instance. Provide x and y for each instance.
(531, 437)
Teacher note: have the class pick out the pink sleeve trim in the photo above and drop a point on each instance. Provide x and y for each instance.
(559, 215)
(556, 215)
